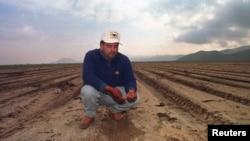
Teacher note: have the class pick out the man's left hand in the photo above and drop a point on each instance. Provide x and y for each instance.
(131, 95)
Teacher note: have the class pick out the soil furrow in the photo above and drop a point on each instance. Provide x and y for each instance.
(212, 79)
(205, 88)
(29, 81)
(239, 77)
(41, 104)
(45, 84)
(187, 105)
(27, 77)
(218, 75)
(175, 108)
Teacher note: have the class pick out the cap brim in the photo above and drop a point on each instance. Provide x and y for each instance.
(112, 42)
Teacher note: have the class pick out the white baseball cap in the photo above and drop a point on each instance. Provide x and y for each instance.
(111, 36)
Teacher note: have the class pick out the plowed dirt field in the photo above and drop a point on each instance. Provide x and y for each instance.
(178, 101)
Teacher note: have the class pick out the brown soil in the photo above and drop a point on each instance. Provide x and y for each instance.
(178, 101)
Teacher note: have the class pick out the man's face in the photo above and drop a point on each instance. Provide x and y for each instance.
(109, 50)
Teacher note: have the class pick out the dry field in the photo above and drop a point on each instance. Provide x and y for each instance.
(178, 101)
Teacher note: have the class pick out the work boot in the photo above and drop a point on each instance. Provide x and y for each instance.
(86, 121)
(116, 116)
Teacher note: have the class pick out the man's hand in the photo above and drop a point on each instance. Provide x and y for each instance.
(116, 94)
(131, 95)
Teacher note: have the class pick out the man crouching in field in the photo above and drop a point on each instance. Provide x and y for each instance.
(108, 80)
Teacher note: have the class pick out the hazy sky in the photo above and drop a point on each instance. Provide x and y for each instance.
(43, 31)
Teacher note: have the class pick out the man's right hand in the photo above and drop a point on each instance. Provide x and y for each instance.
(116, 94)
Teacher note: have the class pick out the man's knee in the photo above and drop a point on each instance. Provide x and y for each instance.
(88, 91)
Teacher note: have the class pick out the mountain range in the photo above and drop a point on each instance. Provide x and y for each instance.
(65, 61)
(238, 54)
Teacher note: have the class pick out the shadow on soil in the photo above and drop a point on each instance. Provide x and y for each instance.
(123, 130)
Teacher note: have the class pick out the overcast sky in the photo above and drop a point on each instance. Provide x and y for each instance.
(43, 31)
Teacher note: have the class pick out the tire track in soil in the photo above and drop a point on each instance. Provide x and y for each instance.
(213, 78)
(25, 108)
(42, 102)
(44, 84)
(217, 75)
(199, 113)
(205, 88)
(219, 72)
(222, 75)
(28, 78)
